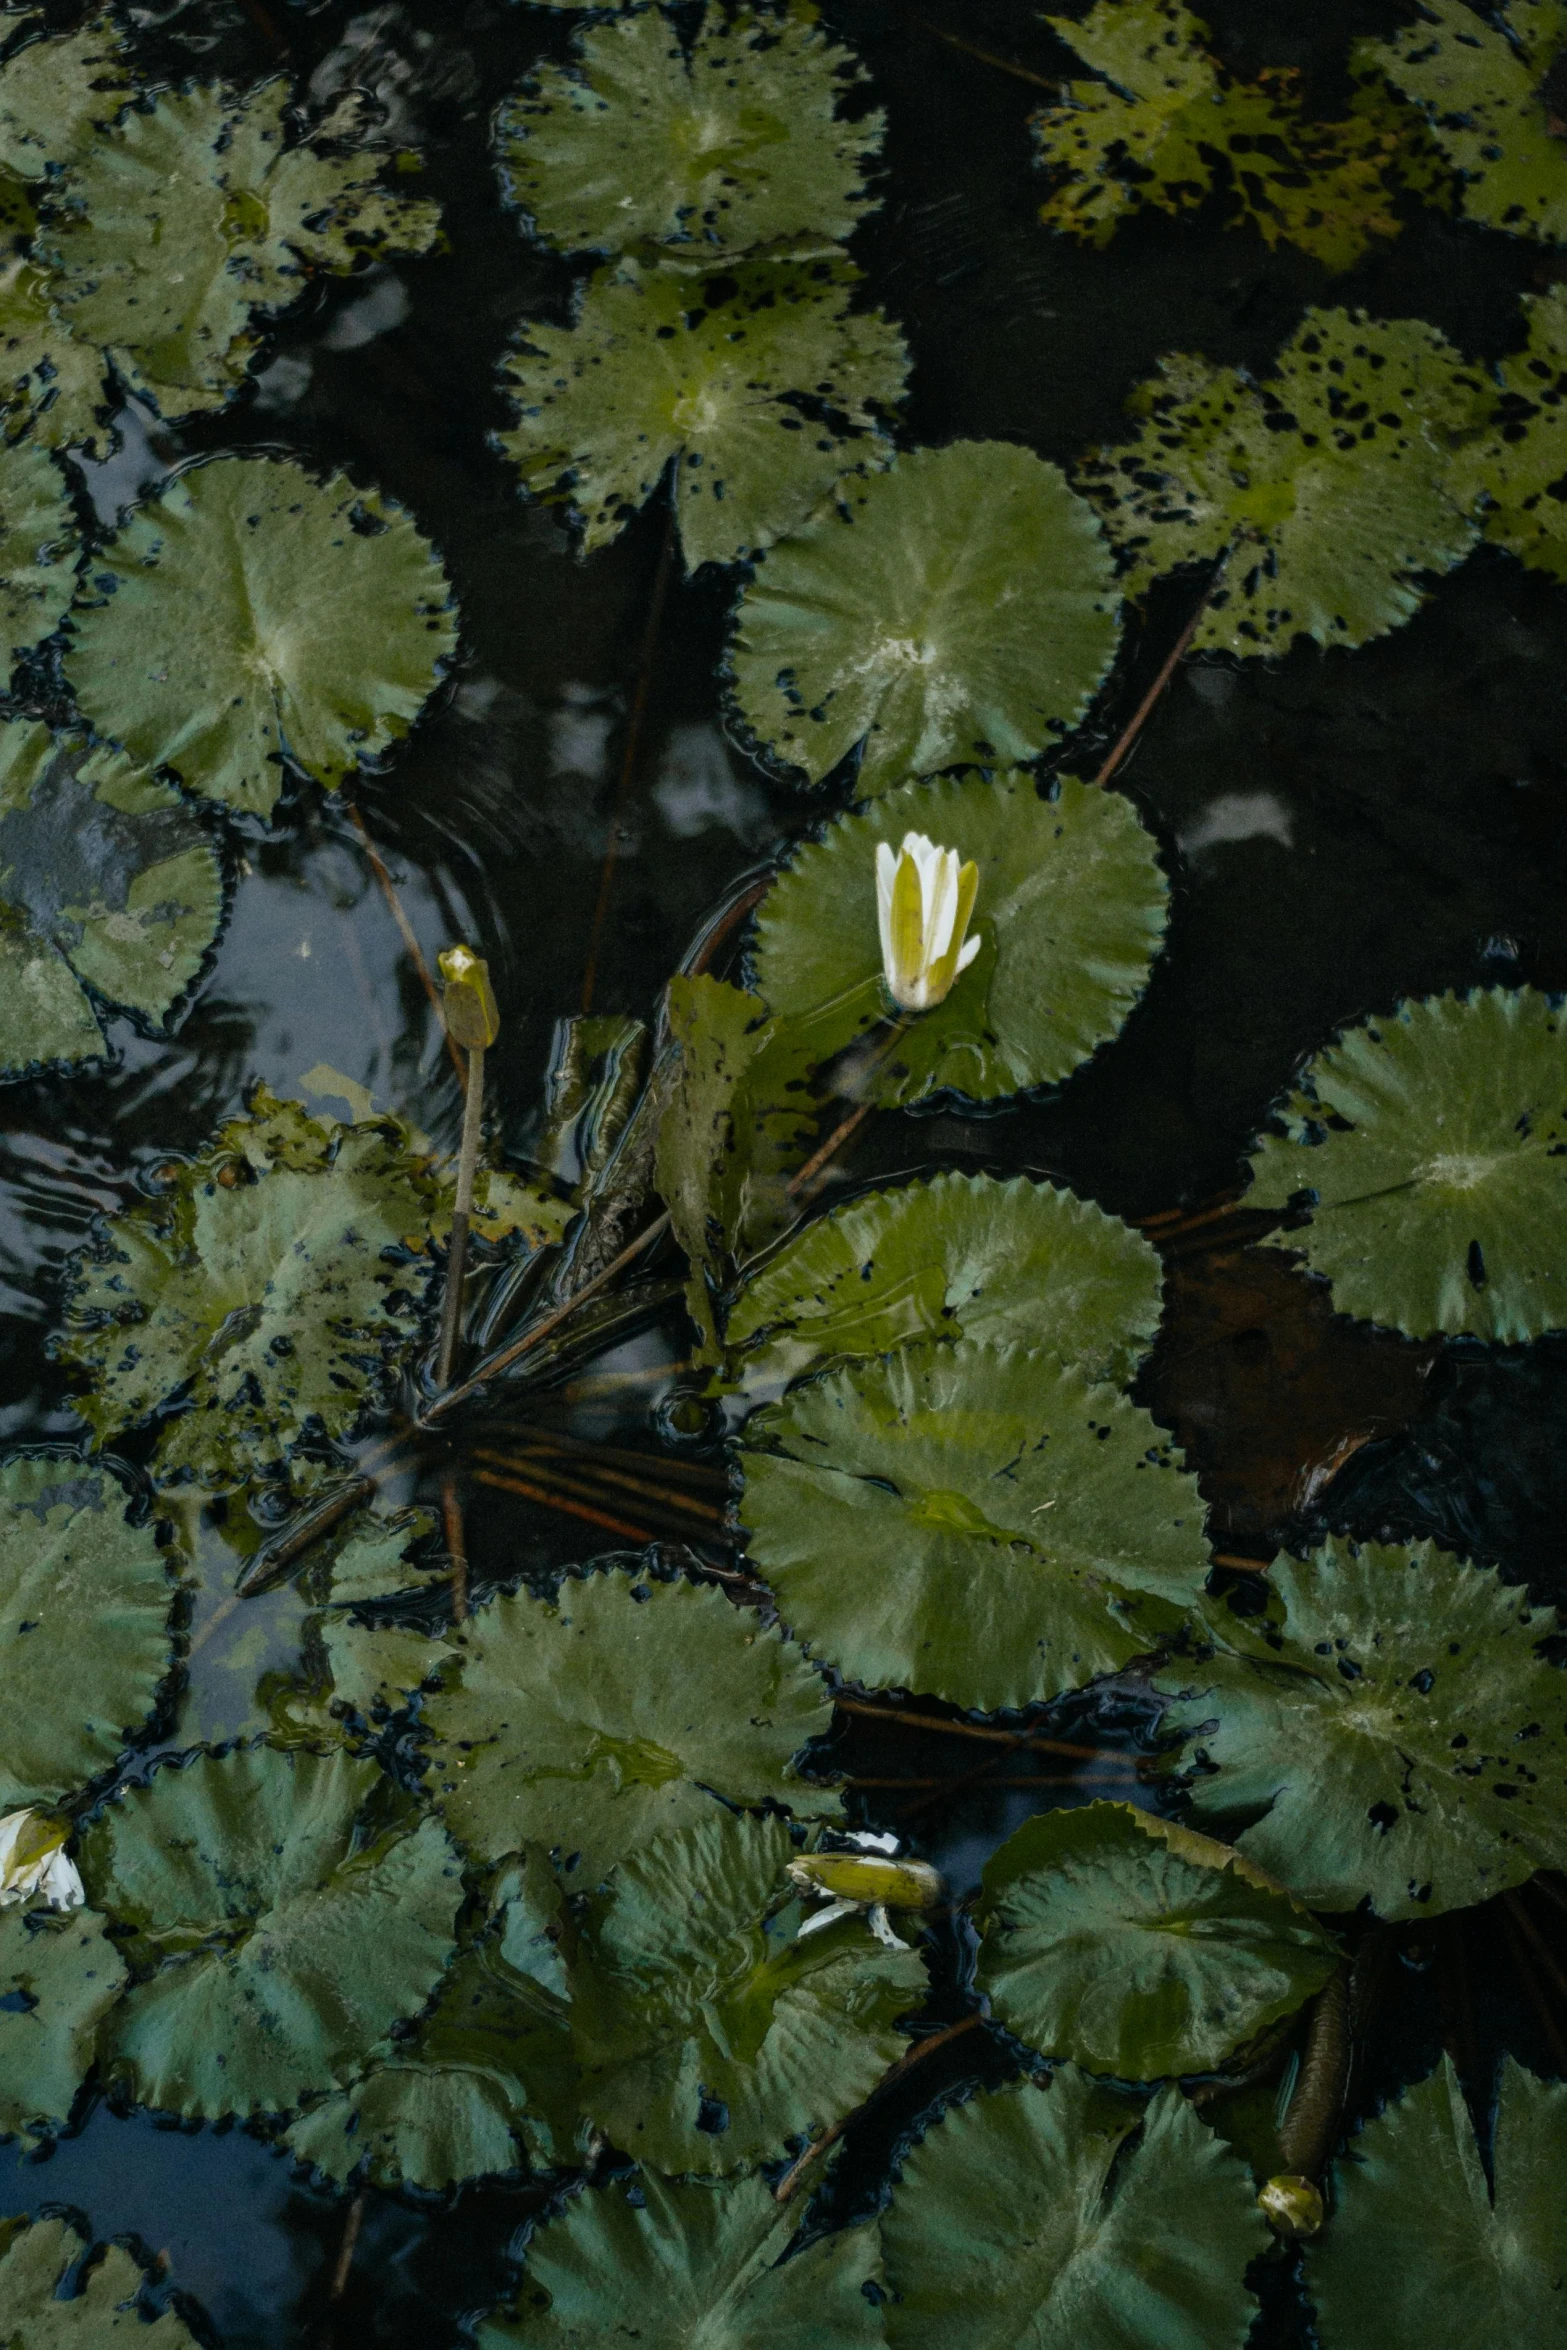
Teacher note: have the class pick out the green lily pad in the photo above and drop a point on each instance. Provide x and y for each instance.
(52, 383)
(731, 144)
(1490, 2267)
(238, 220)
(107, 878)
(959, 607)
(277, 1939)
(689, 2263)
(85, 1597)
(1020, 2219)
(253, 615)
(1515, 458)
(58, 1979)
(266, 1293)
(56, 93)
(709, 2033)
(1431, 1144)
(951, 1256)
(1136, 1948)
(975, 1522)
(591, 1726)
(1328, 482)
(104, 2315)
(1070, 915)
(1389, 1729)
(763, 386)
(1477, 78)
(39, 546)
(1166, 124)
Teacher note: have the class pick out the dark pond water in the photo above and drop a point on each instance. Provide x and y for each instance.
(1343, 830)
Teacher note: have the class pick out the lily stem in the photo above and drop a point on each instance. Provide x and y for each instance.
(405, 927)
(829, 2137)
(457, 1247)
(1172, 661)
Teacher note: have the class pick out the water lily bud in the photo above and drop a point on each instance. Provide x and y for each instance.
(854, 1876)
(473, 1018)
(33, 1862)
(924, 898)
(1291, 2205)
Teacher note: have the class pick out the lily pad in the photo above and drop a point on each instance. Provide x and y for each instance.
(689, 2263)
(106, 878)
(1021, 2218)
(710, 2034)
(1431, 1146)
(238, 220)
(979, 1523)
(730, 144)
(253, 615)
(1328, 482)
(958, 607)
(1490, 2265)
(1134, 1947)
(53, 385)
(591, 1726)
(952, 1256)
(39, 546)
(56, 93)
(1070, 915)
(1389, 1729)
(104, 2315)
(1477, 78)
(276, 1939)
(763, 388)
(1515, 458)
(85, 1598)
(268, 1292)
(58, 1979)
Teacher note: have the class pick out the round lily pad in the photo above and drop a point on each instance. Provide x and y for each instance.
(1391, 1729)
(253, 616)
(275, 1942)
(103, 2314)
(1482, 79)
(1070, 914)
(59, 1977)
(722, 147)
(85, 1597)
(1431, 1147)
(1134, 1947)
(980, 1523)
(960, 607)
(591, 1726)
(39, 546)
(952, 1256)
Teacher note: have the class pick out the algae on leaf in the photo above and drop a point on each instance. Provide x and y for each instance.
(39, 547)
(959, 607)
(981, 1524)
(763, 387)
(687, 2262)
(1479, 77)
(1328, 482)
(730, 145)
(1513, 460)
(253, 615)
(1019, 2219)
(35, 2261)
(57, 93)
(1430, 1145)
(59, 1977)
(1391, 1728)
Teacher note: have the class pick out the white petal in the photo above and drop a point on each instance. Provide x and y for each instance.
(827, 1917)
(60, 1883)
(869, 1841)
(886, 867)
(10, 1828)
(970, 950)
(941, 906)
(881, 1926)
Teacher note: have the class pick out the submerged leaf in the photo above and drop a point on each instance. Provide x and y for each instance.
(710, 2033)
(268, 1292)
(39, 546)
(253, 615)
(978, 1523)
(1515, 457)
(1070, 913)
(959, 607)
(85, 1599)
(1018, 2219)
(590, 1726)
(1490, 2268)
(1328, 481)
(731, 145)
(952, 1256)
(1479, 77)
(276, 1943)
(689, 2263)
(104, 2315)
(763, 386)
(1134, 1947)
(1390, 1728)
(58, 1979)
(1431, 1145)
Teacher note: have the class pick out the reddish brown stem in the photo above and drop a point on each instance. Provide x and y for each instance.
(1014, 1738)
(406, 930)
(829, 2137)
(1145, 708)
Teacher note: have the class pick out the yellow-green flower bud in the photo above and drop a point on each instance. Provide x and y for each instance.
(473, 1018)
(855, 1876)
(1291, 2205)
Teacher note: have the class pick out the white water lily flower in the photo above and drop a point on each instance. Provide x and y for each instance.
(33, 1862)
(924, 898)
(853, 1884)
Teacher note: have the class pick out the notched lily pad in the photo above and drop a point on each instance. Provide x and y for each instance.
(958, 607)
(104, 2315)
(59, 1977)
(253, 616)
(1390, 1729)
(57, 92)
(1479, 77)
(39, 547)
(979, 1523)
(1514, 459)
(1431, 1148)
